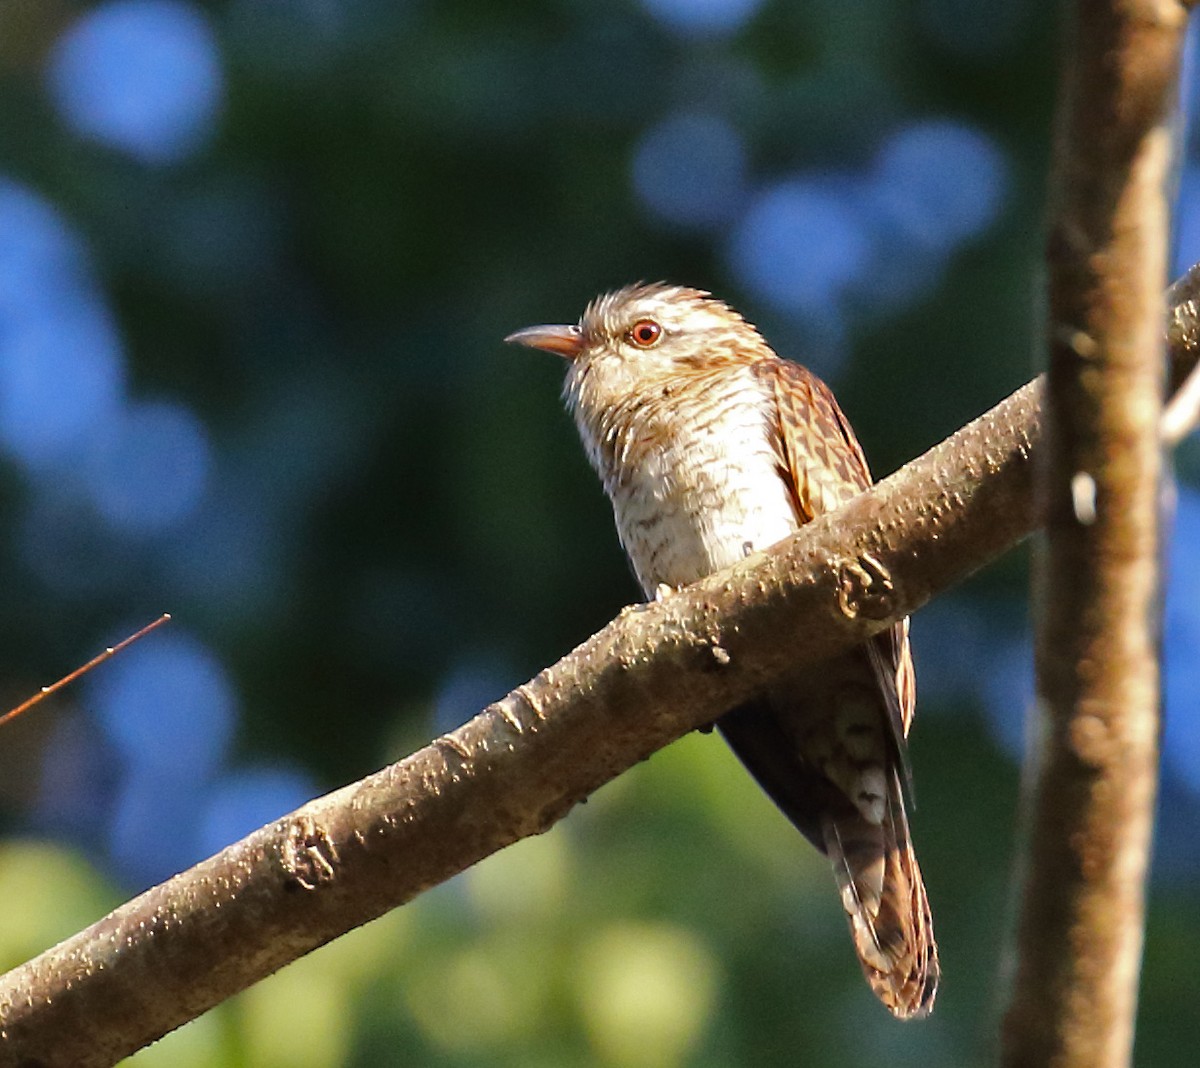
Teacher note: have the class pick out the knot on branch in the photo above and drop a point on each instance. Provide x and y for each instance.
(309, 855)
(865, 588)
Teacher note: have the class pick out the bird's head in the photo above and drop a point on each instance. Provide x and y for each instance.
(642, 334)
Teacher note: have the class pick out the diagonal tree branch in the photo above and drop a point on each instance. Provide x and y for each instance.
(653, 674)
(1097, 575)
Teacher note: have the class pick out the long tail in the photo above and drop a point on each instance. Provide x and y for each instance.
(884, 898)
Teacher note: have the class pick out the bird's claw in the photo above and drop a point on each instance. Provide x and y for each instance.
(865, 588)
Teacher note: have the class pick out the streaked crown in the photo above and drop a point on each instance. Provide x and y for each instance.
(657, 327)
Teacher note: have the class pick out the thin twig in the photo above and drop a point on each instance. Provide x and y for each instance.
(1182, 415)
(66, 680)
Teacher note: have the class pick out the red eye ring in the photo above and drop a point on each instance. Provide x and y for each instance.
(645, 333)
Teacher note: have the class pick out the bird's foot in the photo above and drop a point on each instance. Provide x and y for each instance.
(865, 588)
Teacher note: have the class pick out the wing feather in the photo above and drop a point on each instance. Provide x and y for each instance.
(824, 466)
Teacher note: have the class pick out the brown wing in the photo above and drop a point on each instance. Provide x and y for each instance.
(824, 465)
(818, 453)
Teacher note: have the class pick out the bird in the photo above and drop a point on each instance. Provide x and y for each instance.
(710, 446)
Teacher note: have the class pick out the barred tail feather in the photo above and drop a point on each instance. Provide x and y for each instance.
(884, 898)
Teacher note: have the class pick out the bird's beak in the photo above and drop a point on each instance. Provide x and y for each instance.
(566, 341)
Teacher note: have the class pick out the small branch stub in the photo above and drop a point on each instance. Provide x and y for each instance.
(309, 854)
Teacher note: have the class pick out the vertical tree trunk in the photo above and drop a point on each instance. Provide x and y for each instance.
(1097, 586)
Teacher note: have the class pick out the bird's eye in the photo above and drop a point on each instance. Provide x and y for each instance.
(645, 333)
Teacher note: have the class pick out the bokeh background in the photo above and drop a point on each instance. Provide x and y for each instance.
(256, 259)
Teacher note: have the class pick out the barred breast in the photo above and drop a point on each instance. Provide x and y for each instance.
(693, 477)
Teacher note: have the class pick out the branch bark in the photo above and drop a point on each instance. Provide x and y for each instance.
(652, 675)
(1097, 576)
